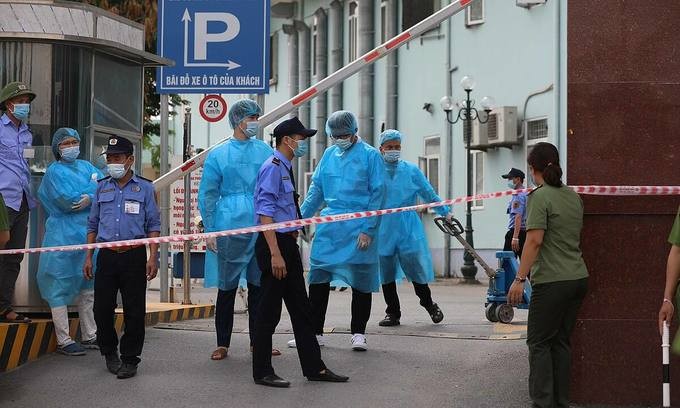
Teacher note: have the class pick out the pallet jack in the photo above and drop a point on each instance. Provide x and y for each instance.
(497, 308)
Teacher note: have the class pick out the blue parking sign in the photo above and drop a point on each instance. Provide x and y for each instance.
(219, 46)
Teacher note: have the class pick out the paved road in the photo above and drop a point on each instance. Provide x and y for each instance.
(454, 364)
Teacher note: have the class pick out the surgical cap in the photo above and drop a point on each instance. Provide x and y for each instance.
(59, 136)
(241, 110)
(389, 134)
(341, 123)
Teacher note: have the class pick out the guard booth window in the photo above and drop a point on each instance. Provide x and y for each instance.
(116, 106)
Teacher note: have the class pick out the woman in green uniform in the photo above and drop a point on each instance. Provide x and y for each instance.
(559, 277)
(672, 278)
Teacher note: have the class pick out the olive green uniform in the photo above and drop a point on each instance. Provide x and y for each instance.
(559, 281)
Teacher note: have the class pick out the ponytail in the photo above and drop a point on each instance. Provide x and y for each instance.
(545, 158)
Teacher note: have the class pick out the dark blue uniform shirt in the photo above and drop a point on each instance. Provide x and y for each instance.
(275, 192)
(124, 213)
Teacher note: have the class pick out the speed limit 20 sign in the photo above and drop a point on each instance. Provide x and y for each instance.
(213, 108)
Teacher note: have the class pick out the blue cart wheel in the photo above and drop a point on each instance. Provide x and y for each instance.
(490, 312)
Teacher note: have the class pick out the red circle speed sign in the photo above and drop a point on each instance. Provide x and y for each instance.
(213, 108)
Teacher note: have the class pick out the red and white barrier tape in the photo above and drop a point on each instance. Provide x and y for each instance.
(589, 190)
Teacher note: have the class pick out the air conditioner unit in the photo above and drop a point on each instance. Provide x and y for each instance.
(529, 3)
(479, 135)
(501, 127)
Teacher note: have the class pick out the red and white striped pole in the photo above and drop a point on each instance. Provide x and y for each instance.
(325, 84)
(665, 347)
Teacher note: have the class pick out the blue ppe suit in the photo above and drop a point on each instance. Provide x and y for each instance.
(60, 274)
(226, 201)
(402, 243)
(347, 181)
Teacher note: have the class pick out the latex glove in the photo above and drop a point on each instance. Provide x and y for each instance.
(363, 242)
(665, 314)
(81, 204)
(211, 244)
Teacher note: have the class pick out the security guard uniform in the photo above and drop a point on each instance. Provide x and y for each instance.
(275, 197)
(122, 213)
(516, 206)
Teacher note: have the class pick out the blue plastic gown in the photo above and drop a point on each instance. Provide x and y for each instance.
(347, 182)
(402, 243)
(226, 201)
(60, 274)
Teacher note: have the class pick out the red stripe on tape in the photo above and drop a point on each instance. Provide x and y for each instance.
(304, 96)
(398, 40)
(373, 55)
(186, 166)
(464, 2)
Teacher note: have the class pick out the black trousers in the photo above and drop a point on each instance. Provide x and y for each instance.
(125, 272)
(10, 265)
(361, 307)
(508, 241)
(392, 298)
(291, 290)
(224, 313)
(552, 317)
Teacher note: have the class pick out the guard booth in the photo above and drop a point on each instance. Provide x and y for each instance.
(86, 66)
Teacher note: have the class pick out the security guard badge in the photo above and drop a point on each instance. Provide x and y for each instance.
(132, 207)
(113, 141)
(136, 189)
(515, 205)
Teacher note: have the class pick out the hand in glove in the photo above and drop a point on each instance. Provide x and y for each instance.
(83, 203)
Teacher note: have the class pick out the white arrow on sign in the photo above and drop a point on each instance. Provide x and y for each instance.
(202, 37)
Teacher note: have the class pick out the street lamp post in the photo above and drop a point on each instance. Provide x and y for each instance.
(467, 114)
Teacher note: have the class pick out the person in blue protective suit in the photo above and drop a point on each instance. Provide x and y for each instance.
(66, 193)
(226, 201)
(349, 178)
(402, 244)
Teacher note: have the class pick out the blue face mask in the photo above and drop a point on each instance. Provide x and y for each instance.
(116, 170)
(70, 154)
(343, 144)
(392, 156)
(251, 129)
(302, 148)
(511, 185)
(21, 111)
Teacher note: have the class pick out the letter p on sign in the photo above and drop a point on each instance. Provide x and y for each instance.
(202, 37)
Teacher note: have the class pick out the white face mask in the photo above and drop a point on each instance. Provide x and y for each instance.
(117, 170)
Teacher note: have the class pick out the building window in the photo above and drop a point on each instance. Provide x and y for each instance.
(537, 129)
(474, 14)
(429, 162)
(415, 11)
(477, 178)
(274, 58)
(315, 35)
(353, 30)
(383, 21)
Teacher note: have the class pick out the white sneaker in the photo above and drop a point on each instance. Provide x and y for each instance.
(319, 339)
(359, 342)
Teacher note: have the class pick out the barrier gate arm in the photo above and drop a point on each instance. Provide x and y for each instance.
(324, 85)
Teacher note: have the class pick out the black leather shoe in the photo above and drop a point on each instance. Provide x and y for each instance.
(435, 313)
(113, 362)
(127, 370)
(389, 320)
(329, 376)
(273, 380)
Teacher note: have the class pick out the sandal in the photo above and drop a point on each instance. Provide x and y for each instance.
(220, 353)
(17, 319)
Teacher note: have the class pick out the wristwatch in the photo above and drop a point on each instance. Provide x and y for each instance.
(518, 279)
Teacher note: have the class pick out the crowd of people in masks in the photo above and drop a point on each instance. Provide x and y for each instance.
(246, 182)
